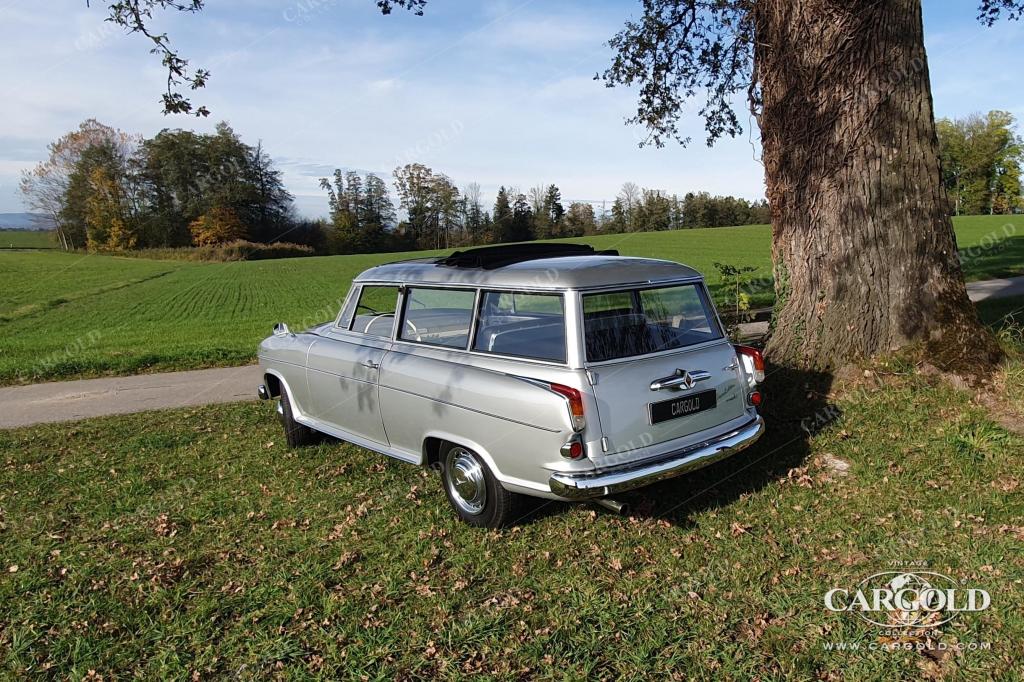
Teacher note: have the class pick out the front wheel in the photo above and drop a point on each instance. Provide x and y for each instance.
(473, 491)
(296, 434)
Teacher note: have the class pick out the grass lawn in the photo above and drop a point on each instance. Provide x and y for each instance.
(72, 315)
(27, 239)
(192, 542)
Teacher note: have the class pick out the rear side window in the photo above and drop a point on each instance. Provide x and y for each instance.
(634, 322)
(521, 324)
(375, 311)
(439, 317)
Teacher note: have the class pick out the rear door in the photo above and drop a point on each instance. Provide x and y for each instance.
(661, 367)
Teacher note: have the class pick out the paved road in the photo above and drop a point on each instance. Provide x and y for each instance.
(995, 288)
(977, 291)
(70, 400)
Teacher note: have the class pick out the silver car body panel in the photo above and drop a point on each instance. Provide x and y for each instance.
(398, 397)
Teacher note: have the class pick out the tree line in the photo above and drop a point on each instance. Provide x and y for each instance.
(437, 214)
(106, 190)
(981, 163)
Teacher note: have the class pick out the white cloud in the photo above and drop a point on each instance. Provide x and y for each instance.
(497, 93)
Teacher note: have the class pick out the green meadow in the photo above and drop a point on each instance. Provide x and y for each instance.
(27, 239)
(191, 544)
(75, 315)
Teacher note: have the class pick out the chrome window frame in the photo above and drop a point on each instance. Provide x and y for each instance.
(404, 300)
(565, 330)
(703, 289)
(399, 301)
(574, 359)
(351, 298)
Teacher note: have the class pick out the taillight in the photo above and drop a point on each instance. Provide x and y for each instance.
(575, 400)
(753, 362)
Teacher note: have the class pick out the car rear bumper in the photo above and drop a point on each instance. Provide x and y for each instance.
(629, 476)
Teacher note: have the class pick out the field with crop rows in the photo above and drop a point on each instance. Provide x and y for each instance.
(71, 315)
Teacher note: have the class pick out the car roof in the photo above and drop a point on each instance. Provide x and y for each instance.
(565, 272)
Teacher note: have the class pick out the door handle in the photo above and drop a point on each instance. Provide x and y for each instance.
(681, 379)
(371, 364)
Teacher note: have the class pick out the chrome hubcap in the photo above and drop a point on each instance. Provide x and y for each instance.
(466, 482)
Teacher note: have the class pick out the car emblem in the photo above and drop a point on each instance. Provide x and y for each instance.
(687, 380)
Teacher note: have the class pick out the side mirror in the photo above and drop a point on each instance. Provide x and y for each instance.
(281, 329)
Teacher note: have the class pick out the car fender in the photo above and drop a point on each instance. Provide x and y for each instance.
(296, 410)
(510, 482)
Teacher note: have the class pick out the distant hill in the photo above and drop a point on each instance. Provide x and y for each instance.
(25, 221)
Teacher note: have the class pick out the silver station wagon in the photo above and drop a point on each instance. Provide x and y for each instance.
(548, 370)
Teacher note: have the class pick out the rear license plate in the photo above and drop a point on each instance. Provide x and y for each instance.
(683, 406)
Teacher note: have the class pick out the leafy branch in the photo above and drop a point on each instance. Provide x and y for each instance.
(135, 16)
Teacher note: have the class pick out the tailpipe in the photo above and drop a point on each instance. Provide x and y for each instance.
(621, 508)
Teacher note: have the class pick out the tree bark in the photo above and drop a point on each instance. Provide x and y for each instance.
(864, 253)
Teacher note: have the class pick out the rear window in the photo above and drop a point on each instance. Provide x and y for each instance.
(525, 325)
(626, 323)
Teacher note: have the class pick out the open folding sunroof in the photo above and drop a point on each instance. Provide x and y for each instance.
(490, 257)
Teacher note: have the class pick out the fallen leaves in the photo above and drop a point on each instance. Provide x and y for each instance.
(737, 529)
(346, 559)
(164, 527)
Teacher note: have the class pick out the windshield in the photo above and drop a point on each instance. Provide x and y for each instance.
(622, 324)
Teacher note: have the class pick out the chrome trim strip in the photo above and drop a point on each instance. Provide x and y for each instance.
(628, 477)
(681, 379)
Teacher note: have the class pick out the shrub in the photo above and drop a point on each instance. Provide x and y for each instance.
(232, 251)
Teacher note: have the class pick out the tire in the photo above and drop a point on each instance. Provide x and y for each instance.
(297, 435)
(473, 492)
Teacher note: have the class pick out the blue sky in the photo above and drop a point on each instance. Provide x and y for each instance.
(491, 92)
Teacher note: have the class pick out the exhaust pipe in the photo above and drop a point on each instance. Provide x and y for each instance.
(620, 508)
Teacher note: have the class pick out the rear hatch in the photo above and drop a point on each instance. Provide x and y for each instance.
(660, 364)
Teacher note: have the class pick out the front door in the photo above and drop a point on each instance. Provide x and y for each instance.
(342, 368)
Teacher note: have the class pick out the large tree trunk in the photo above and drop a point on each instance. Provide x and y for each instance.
(864, 251)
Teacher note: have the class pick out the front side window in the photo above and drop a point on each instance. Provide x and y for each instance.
(627, 323)
(439, 317)
(521, 324)
(375, 311)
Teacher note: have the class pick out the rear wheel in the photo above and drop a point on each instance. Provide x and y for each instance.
(473, 491)
(297, 435)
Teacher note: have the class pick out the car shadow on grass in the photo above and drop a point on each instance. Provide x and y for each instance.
(796, 407)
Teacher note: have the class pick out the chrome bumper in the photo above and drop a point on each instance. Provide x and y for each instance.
(629, 476)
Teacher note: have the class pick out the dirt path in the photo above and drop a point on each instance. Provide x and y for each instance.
(69, 400)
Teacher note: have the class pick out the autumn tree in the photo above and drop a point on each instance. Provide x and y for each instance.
(580, 220)
(219, 225)
(432, 203)
(981, 162)
(45, 187)
(541, 227)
